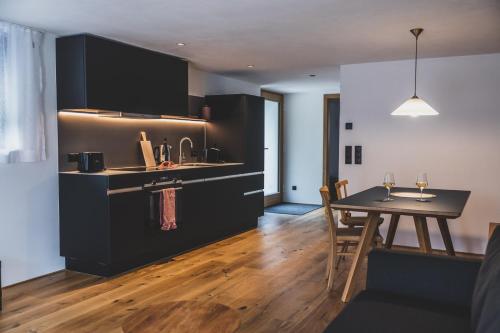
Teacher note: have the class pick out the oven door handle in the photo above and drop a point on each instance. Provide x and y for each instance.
(160, 190)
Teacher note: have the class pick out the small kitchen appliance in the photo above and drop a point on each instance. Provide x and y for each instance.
(214, 155)
(88, 161)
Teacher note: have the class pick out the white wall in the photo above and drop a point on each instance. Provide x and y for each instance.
(203, 83)
(197, 81)
(29, 218)
(303, 146)
(459, 149)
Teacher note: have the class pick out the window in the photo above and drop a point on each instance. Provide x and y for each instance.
(3, 50)
(22, 137)
(271, 143)
(273, 149)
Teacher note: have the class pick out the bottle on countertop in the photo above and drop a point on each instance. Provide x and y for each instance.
(166, 150)
(158, 154)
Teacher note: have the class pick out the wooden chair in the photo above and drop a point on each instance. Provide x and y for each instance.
(345, 216)
(338, 236)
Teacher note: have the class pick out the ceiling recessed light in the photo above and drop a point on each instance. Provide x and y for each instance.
(250, 66)
(312, 75)
(181, 44)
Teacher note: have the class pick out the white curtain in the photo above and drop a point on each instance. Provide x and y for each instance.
(22, 137)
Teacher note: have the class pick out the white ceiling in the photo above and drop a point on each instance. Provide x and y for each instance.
(285, 39)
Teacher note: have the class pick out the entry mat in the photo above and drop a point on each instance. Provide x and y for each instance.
(291, 208)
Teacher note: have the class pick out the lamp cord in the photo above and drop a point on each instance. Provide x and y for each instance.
(416, 52)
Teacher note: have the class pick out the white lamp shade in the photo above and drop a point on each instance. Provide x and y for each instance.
(414, 107)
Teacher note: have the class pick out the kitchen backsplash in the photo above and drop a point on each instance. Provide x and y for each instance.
(118, 138)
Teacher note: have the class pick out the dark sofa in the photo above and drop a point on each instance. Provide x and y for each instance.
(410, 292)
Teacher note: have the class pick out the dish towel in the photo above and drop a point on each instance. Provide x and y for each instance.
(167, 209)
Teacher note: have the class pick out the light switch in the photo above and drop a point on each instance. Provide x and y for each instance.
(348, 154)
(357, 154)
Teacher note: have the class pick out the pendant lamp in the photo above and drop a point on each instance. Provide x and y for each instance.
(415, 106)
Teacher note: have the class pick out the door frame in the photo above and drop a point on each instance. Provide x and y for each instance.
(326, 134)
(277, 198)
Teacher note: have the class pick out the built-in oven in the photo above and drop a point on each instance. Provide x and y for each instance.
(135, 215)
(152, 205)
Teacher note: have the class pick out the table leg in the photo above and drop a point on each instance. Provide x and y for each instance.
(423, 234)
(392, 231)
(445, 233)
(363, 247)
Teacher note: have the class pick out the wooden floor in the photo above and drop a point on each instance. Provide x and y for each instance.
(273, 276)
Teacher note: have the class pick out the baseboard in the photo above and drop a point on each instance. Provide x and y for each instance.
(34, 278)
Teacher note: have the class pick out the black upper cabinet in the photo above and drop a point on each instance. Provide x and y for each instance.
(237, 126)
(98, 73)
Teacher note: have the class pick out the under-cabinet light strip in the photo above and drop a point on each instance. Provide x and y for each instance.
(124, 117)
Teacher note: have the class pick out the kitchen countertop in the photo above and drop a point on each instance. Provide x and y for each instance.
(124, 171)
(125, 178)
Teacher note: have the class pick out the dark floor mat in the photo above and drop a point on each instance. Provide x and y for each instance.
(291, 208)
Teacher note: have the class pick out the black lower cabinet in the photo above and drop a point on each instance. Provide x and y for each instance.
(107, 232)
(128, 226)
(227, 197)
(195, 217)
(253, 206)
(234, 200)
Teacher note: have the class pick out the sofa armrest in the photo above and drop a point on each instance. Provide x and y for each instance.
(442, 279)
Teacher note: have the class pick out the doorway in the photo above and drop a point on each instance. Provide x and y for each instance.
(273, 148)
(331, 133)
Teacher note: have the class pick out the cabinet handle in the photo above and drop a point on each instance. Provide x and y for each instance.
(252, 192)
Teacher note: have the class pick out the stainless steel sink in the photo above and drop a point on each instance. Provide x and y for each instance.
(137, 168)
(183, 165)
(199, 164)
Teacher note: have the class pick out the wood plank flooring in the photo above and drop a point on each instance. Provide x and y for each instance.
(273, 276)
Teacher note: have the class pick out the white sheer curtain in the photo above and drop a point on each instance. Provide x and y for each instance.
(22, 137)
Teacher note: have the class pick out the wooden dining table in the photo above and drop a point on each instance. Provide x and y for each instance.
(446, 205)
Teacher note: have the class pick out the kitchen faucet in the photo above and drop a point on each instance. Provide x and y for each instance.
(180, 147)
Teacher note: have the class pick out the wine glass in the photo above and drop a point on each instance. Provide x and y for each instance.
(422, 183)
(388, 184)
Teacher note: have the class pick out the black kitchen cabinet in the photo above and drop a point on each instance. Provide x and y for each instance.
(102, 74)
(128, 228)
(191, 218)
(254, 132)
(83, 215)
(110, 224)
(237, 126)
(228, 199)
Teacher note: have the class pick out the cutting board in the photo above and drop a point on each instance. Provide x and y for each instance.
(147, 151)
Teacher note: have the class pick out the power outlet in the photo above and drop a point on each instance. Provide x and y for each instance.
(294, 188)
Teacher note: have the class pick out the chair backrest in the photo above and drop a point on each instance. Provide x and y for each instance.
(339, 186)
(325, 195)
